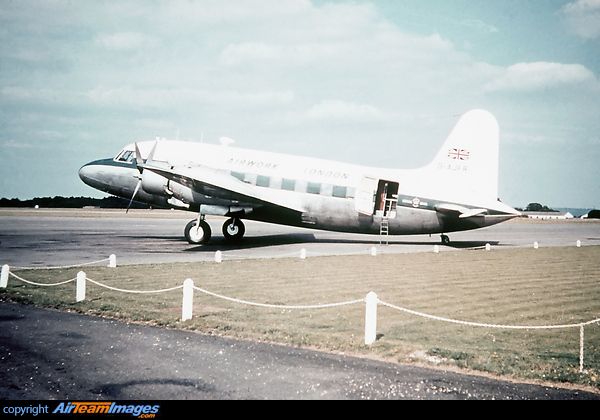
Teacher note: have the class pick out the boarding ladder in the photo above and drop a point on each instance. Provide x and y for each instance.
(384, 227)
(384, 230)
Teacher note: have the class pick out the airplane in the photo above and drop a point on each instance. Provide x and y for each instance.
(457, 191)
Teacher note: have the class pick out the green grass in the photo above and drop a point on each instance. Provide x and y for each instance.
(547, 286)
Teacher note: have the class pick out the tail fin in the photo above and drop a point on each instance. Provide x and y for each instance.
(466, 167)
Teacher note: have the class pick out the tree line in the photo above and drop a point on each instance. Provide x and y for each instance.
(536, 207)
(72, 203)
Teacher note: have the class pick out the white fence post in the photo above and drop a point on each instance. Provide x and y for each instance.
(188, 300)
(112, 261)
(303, 254)
(371, 319)
(4, 276)
(80, 286)
(218, 256)
(581, 349)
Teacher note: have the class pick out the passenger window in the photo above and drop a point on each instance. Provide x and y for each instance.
(313, 188)
(288, 184)
(238, 175)
(339, 191)
(263, 181)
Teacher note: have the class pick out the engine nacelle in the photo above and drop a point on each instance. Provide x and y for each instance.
(156, 184)
(182, 193)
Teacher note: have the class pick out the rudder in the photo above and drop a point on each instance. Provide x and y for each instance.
(466, 167)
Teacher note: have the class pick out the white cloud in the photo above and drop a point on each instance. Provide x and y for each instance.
(136, 98)
(583, 18)
(13, 144)
(238, 54)
(262, 53)
(45, 97)
(342, 111)
(479, 26)
(538, 76)
(124, 41)
(209, 11)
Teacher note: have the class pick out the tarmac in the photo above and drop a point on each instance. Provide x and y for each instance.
(53, 355)
(50, 238)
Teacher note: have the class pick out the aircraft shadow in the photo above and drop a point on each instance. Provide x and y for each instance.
(256, 242)
(252, 242)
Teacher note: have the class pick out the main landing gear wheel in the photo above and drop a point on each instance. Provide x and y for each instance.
(233, 230)
(445, 240)
(197, 235)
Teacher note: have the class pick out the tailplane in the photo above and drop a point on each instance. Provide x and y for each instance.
(466, 167)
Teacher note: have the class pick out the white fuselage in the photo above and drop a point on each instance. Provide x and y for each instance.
(456, 191)
(332, 195)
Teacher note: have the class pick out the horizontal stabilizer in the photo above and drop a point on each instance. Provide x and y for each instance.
(460, 211)
(473, 213)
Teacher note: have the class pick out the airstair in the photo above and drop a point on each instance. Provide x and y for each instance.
(384, 230)
(384, 227)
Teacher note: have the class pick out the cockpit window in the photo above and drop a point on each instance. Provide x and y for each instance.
(126, 156)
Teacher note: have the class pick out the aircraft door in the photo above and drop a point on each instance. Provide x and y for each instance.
(365, 196)
(386, 199)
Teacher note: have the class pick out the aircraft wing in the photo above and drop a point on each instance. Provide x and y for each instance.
(460, 211)
(220, 184)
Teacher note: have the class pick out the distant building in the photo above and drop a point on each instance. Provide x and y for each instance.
(547, 215)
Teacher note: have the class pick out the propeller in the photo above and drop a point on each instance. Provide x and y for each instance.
(139, 163)
(135, 191)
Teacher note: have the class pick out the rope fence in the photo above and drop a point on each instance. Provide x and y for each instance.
(112, 262)
(219, 256)
(267, 305)
(371, 303)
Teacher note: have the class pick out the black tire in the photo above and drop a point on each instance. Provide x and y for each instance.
(445, 240)
(197, 236)
(234, 230)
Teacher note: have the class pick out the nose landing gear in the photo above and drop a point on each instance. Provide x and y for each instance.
(197, 232)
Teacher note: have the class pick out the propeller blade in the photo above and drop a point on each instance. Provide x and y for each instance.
(139, 161)
(138, 158)
(151, 155)
(137, 187)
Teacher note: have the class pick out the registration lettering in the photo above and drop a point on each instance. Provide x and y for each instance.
(453, 167)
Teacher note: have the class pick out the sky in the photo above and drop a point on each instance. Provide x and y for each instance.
(377, 83)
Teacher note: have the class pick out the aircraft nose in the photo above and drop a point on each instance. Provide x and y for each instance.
(87, 172)
(93, 174)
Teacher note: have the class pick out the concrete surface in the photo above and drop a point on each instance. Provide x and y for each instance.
(54, 355)
(45, 239)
